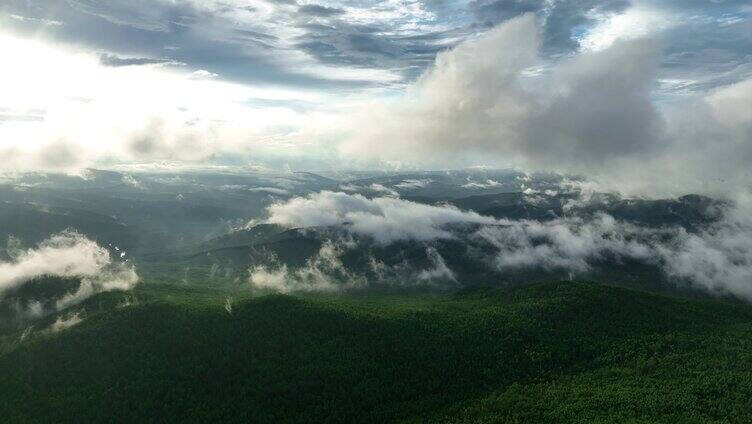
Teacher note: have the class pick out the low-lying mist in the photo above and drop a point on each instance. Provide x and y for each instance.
(359, 232)
(61, 271)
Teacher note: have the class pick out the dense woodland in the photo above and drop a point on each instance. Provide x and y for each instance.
(546, 352)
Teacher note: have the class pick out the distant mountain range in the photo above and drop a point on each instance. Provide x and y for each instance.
(211, 224)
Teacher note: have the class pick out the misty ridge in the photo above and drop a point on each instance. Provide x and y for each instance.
(425, 231)
(710, 252)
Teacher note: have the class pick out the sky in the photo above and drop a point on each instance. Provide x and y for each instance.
(628, 91)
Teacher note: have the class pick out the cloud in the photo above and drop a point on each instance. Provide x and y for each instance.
(380, 188)
(559, 20)
(475, 100)
(271, 190)
(35, 20)
(716, 256)
(600, 109)
(634, 22)
(67, 255)
(63, 323)
(570, 244)
(326, 272)
(489, 183)
(439, 271)
(503, 97)
(140, 14)
(261, 43)
(203, 74)
(58, 155)
(322, 272)
(129, 180)
(412, 184)
(370, 41)
(594, 113)
(107, 59)
(170, 116)
(13, 116)
(318, 10)
(385, 219)
(467, 99)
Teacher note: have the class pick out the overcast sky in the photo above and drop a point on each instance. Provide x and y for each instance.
(579, 85)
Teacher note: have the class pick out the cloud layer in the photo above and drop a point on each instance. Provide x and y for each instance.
(385, 219)
(716, 257)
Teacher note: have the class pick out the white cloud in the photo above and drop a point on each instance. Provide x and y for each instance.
(271, 190)
(379, 188)
(412, 184)
(350, 187)
(466, 99)
(88, 114)
(322, 272)
(718, 257)
(475, 103)
(42, 21)
(131, 181)
(440, 270)
(65, 322)
(489, 183)
(325, 272)
(567, 243)
(67, 255)
(635, 22)
(592, 113)
(385, 219)
(265, 277)
(202, 74)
